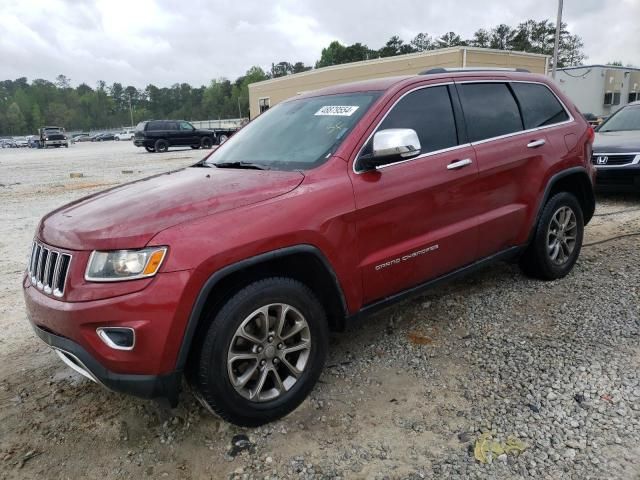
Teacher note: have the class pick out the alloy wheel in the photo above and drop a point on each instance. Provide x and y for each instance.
(269, 352)
(561, 235)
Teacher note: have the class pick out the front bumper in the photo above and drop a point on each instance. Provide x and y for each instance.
(157, 315)
(618, 179)
(163, 387)
(53, 143)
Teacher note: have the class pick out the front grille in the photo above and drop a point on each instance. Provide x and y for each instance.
(48, 269)
(603, 159)
(55, 136)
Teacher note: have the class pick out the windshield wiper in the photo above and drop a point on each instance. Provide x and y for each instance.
(247, 165)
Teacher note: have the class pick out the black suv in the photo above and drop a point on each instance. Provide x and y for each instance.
(159, 135)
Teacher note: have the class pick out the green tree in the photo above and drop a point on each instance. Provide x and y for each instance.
(501, 37)
(15, 119)
(450, 39)
(331, 55)
(36, 118)
(481, 38)
(422, 42)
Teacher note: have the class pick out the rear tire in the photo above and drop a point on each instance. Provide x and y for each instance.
(557, 240)
(253, 382)
(161, 146)
(206, 142)
(222, 138)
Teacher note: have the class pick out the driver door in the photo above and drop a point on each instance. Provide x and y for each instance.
(186, 134)
(416, 218)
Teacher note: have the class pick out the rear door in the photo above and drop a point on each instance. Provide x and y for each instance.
(511, 160)
(415, 218)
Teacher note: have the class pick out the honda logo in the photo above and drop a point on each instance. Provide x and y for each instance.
(602, 160)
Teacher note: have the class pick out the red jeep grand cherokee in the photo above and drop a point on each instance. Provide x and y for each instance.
(325, 208)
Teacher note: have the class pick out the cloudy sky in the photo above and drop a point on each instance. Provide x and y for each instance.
(167, 41)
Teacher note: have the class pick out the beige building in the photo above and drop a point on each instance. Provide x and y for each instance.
(268, 93)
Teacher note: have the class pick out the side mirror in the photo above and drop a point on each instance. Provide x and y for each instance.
(391, 145)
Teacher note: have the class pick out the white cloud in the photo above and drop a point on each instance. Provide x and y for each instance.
(169, 41)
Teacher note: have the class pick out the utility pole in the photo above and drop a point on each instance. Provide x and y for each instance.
(239, 110)
(130, 111)
(557, 43)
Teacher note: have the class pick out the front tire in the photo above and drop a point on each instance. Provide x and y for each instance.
(195, 147)
(150, 149)
(263, 352)
(557, 240)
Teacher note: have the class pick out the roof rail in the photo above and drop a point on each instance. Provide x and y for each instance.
(433, 71)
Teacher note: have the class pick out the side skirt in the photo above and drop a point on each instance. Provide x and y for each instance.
(504, 255)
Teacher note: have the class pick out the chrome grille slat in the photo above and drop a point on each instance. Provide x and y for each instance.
(48, 269)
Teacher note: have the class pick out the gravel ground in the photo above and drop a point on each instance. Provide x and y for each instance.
(406, 393)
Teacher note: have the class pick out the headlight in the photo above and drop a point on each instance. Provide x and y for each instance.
(46, 138)
(124, 264)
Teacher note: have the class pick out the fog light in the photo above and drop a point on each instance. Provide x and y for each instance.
(118, 338)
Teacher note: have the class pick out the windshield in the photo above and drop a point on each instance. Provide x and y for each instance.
(625, 119)
(299, 134)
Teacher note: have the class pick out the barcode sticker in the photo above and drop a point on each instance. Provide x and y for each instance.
(337, 110)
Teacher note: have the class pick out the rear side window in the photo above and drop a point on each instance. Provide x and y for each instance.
(539, 106)
(140, 126)
(489, 110)
(171, 126)
(157, 125)
(428, 111)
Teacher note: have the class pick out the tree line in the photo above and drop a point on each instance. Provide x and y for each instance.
(25, 106)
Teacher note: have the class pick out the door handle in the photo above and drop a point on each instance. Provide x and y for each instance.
(459, 164)
(536, 143)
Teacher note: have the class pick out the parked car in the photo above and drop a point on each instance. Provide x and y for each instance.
(8, 143)
(616, 151)
(81, 137)
(103, 137)
(21, 142)
(326, 208)
(159, 135)
(124, 135)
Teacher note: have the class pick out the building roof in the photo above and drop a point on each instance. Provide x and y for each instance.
(612, 67)
(426, 53)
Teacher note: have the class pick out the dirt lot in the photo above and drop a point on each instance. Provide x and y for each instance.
(405, 395)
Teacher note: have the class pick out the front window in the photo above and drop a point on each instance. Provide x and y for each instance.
(298, 134)
(625, 119)
(186, 126)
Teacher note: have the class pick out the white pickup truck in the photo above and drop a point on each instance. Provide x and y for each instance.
(124, 135)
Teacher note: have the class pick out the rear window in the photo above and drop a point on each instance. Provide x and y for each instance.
(539, 106)
(489, 110)
(140, 126)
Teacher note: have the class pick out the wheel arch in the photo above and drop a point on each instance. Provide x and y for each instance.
(304, 263)
(573, 180)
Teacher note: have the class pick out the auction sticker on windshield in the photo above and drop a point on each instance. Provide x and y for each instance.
(337, 110)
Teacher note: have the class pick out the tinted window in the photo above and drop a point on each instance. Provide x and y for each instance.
(429, 113)
(539, 106)
(489, 110)
(156, 125)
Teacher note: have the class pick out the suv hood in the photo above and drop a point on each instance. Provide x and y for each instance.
(617, 142)
(128, 216)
